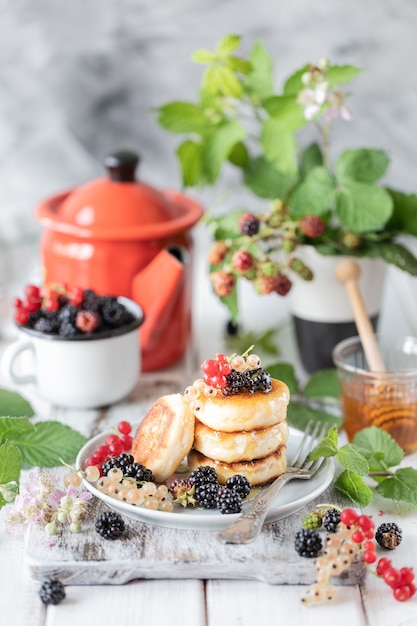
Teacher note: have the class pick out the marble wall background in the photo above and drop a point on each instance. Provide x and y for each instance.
(79, 79)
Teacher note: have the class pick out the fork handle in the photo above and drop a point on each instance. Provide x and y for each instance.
(249, 524)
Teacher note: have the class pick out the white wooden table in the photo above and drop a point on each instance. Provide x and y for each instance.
(194, 602)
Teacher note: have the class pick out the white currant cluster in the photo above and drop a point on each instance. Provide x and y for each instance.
(147, 494)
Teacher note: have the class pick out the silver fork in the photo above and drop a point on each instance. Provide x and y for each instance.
(249, 524)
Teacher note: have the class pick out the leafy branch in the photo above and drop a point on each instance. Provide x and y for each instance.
(24, 444)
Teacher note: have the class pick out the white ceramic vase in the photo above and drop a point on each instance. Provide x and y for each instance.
(321, 309)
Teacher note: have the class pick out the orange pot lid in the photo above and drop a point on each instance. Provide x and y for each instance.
(119, 207)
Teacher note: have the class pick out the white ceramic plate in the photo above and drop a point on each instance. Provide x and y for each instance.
(289, 500)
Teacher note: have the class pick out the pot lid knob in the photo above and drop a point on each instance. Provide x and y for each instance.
(121, 166)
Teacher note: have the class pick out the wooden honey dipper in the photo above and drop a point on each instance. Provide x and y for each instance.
(347, 272)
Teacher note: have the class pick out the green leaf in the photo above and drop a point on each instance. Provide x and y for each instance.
(10, 464)
(339, 74)
(362, 165)
(220, 80)
(288, 115)
(11, 427)
(404, 216)
(183, 117)
(323, 384)
(378, 447)
(327, 447)
(227, 45)
(294, 84)
(50, 443)
(236, 64)
(231, 303)
(260, 80)
(310, 158)
(265, 181)
(401, 486)
(354, 487)
(203, 56)
(12, 403)
(362, 207)
(190, 157)
(351, 459)
(219, 145)
(279, 147)
(225, 226)
(286, 373)
(299, 415)
(239, 155)
(314, 195)
(396, 254)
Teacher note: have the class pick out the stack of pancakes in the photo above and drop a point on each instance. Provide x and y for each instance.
(245, 434)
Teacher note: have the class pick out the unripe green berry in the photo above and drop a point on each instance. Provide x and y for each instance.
(312, 521)
(289, 245)
(306, 274)
(268, 268)
(297, 265)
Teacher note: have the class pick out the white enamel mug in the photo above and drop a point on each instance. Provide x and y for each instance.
(85, 371)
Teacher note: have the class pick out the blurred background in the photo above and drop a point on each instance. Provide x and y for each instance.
(82, 78)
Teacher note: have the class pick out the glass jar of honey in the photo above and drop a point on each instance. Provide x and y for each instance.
(387, 399)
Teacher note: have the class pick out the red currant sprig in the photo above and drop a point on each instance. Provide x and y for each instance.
(216, 370)
(114, 444)
(401, 580)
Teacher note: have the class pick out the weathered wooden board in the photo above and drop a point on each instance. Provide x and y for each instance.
(152, 552)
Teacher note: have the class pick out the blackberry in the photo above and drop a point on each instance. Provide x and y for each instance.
(312, 521)
(68, 329)
(235, 382)
(204, 474)
(92, 301)
(45, 325)
(228, 501)
(123, 461)
(206, 495)
(115, 314)
(139, 472)
(258, 380)
(240, 484)
(68, 313)
(182, 491)
(308, 543)
(389, 535)
(52, 591)
(330, 520)
(110, 525)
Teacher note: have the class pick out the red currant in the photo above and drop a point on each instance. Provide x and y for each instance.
(124, 427)
(17, 303)
(382, 565)
(51, 305)
(392, 577)
(220, 358)
(365, 522)
(21, 317)
(369, 545)
(32, 305)
(402, 593)
(349, 517)
(209, 367)
(369, 556)
(358, 536)
(111, 439)
(76, 296)
(407, 575)
(32, 291)
(116, 447)
(126, 442)
(225, 368)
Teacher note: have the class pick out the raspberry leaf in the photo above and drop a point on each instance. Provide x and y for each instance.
(400, 486)
(260, 78)
(11, 403)
(10, 427)
(363, 165)
(354, 487)
(49, 445)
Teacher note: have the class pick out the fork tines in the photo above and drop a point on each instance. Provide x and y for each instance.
(313, 432)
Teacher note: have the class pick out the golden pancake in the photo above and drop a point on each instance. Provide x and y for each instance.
(244, 410)
(165, 436)
(239, 446)
(257, 471)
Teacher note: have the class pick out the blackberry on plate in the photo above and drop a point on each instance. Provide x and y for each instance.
(139, 472)
(228, 501)
(110, 525)
(258, 380)
(389, 535)
(204, 474)
(52, 591)
(121, 462)
(235, 382)
(308, 543)
(240, 484)
(331, 520)
(206, 495)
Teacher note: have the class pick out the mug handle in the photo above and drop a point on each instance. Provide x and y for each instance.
(8, 361)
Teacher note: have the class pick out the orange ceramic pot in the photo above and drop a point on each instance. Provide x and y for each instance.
(122, 237)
